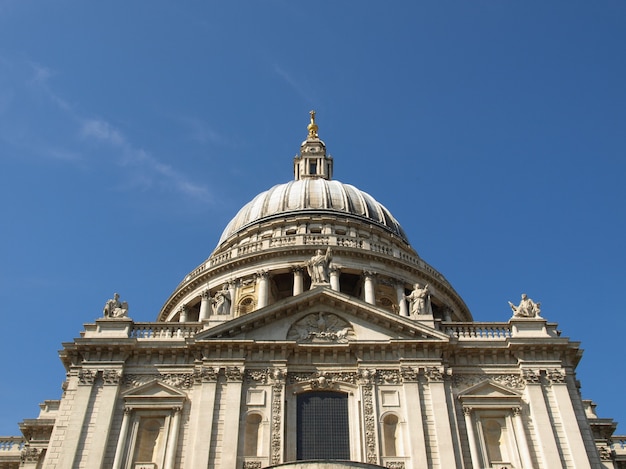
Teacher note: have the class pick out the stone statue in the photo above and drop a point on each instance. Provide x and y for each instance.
(114, 308)
(221, 301)
(527, 308)
(318, 267)
(419, 300)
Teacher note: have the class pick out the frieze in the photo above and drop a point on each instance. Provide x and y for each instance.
(177, 380)
(252, 465)
(86, 377)
(531, 376)
(233, 373)
(433, 374)
(409, 374)
(30, 454)
(205, 374)
(111, 377)
(605, 453)
(555, 376)
(258, 376)
(395, 465)
(388, 377)
(322, 379)
(321, 327)
(512, 381)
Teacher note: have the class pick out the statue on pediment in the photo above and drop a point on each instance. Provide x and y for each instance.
(419, 300)
(527, 308)
(114, 308)
(319, 267)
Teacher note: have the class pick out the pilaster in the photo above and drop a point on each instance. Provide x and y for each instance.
(202, 411)
(232, 396)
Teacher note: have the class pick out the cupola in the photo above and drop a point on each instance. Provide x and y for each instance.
(312, 162)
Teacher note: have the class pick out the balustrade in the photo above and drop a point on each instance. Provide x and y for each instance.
(149, 330)
(477, 330)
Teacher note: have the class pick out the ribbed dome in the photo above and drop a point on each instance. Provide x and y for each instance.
(313, 195)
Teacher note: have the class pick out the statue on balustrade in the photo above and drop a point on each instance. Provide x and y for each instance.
(419, 301)
(114, 308)
(319, 267)
(221, 301)
(527, 308)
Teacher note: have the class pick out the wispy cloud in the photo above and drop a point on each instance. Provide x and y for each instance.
(299, 86)
(102, 131)
(21, 128)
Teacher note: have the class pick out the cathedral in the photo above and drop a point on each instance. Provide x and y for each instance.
(315, 337)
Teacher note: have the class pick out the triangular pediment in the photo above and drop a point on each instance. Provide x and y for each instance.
(153, 389)
(488, 388)
(322, 315)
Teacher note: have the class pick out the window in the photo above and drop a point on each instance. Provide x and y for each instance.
(150, 445)
(322, 426)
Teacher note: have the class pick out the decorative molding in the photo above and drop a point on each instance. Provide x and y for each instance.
(252, 465)
(366, 376)
(395, 465)
(276, 443)
(512, 381)
(323, 379)
(370, 424)
(258, 376)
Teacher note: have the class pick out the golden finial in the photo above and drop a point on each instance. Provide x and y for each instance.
(312, 126)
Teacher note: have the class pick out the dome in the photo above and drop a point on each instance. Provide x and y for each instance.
(313, 196)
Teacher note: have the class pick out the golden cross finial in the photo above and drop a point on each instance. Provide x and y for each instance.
(312, 127)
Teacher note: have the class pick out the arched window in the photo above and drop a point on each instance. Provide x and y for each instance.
(390, 435)
(245, 306)
(322, 426)
(252, 435)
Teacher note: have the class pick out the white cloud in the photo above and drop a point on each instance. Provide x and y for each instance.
(303, 89)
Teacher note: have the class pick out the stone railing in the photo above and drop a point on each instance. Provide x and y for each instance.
(169, 330)
(312, 240)
(13, 444)
(477, 330)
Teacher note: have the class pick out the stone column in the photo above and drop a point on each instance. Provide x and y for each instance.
(172, 441)
(442, 420)
(334, 278)
(415, 418)
(121, 440)
(471, 437)
(558, 386)
(262, 284)
(370, 296)
(542, 423)
(205, 305)
(404, 310)
(522, 443)
(232, 397)
(202, 411)
(103, 418)
(183, 313)
(298, 280)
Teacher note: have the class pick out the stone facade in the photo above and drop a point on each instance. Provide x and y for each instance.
(249, 339)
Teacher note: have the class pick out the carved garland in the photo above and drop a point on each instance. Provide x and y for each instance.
(277, 399)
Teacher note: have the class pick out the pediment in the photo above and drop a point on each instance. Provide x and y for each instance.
(490, 395)
(320, 316)
(153, 389)
(489, 388)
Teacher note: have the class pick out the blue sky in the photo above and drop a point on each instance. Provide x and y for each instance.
(132, 132)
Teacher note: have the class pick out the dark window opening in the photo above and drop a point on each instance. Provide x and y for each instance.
(322, 429)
